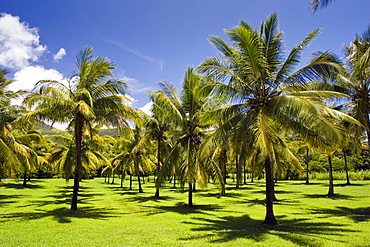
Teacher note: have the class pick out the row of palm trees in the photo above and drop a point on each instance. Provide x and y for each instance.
(240, 106)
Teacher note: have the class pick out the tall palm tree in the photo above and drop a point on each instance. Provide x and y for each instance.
(355, 82)
(268, 97)
(91, 96)
(185, 112)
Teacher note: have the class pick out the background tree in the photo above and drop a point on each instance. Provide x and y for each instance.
(186, 111)
(91, 96)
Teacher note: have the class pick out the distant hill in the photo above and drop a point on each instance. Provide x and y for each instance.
(45, 128)
(109, 132)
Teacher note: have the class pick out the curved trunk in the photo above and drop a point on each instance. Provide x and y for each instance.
(270, 217)
(331, 184)
(78, 168)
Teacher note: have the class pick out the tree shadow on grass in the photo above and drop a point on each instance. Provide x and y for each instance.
(8, 198)
(302, 232)
(350, 185)
(356, 214)
(140, 198)
(336, 196)
(62, 214)
(20, 186)
(182, 208)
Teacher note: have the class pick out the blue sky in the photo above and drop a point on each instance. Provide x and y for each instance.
(152, 40)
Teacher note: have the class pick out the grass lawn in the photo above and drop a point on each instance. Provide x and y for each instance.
(111, 216)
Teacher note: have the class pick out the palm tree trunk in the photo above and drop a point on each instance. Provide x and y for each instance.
(238, 172)
(139, 182)
(130, 182)
(270, 217)
(245, 172)
(306, 162)
(190, 195)
(346, 166)
(330, 170)
(223, 165)
(122, 176)
(25, 179)
(78, 168)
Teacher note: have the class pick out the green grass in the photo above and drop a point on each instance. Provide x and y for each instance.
(110, 216)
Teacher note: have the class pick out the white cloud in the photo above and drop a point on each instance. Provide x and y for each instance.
(130, 100)
(18, 42)
(27, 77)
(147, 108)
(60, 54)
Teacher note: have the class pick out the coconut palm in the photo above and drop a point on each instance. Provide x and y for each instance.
(157, 130)
(90, 96)
(10, 149)
(269, 98)
(355, 82)
(63, 155)
(135, 150)
(185, 112)
(319, 4)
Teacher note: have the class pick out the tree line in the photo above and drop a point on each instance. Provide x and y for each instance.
(248, 108)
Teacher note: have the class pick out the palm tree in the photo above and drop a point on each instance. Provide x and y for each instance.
(185, 112)
(355, 82)
(158, 131)
(135, 152)
(63, 155)
(10, 150)
(319, 4)
(91, 96)
(268, 97)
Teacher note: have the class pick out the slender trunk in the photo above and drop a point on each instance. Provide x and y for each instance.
(78, 168)
(270, 217)
(130, 182)
(122, 176)
(223, 164)
(190, 196)
(139, 181)
(112, 177)
(245, 172)
(174, 180)
(346, 166)
(306, 162)
(330, 170)
(25, 179)
(194, 186)
(238, 172)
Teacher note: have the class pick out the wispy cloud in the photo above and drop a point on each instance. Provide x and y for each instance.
(60, 54)
(135, 52)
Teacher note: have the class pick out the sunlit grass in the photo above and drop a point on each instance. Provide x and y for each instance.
(111, 216)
